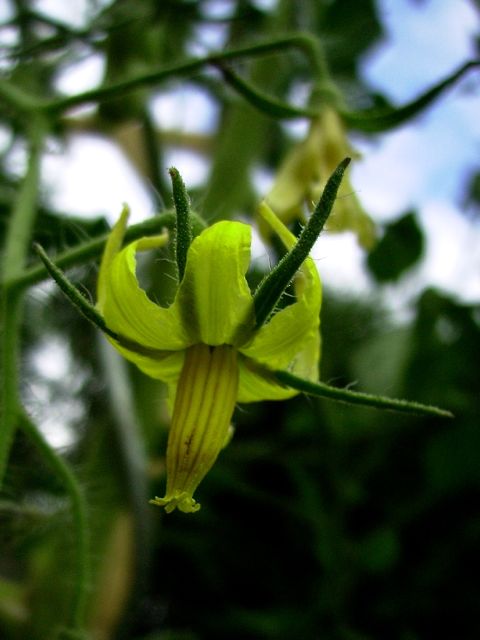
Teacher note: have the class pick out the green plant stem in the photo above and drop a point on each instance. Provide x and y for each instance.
(273, 286)
(267, 104)
(324, 91)
(16, 98)
(11, 303)
(80, 520)
(10, 337)
(19, 231)
(93, 248)
(303, 42)
(323, 390)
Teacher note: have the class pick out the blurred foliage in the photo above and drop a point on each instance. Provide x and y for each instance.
(319, 520)
(399, 249)
(472, 199)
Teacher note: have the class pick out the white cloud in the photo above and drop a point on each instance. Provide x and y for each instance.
(90, 177)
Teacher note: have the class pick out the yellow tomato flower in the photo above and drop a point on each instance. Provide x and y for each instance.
(305, 171)
(218, 344)
(206, 345)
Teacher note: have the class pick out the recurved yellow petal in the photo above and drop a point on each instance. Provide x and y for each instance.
(123, 303)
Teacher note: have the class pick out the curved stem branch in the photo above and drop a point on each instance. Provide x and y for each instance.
(266, 104)
(381, 120)
(304, 43)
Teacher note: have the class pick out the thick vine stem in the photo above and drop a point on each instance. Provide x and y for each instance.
(19, 231)
(16, 247)
(11, 314)
(16, 98)
(81, 254)
(302, 42)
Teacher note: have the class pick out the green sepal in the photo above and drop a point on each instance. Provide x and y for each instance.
(291, 337)
(274, 284)
(183, 236)
(322, 390)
